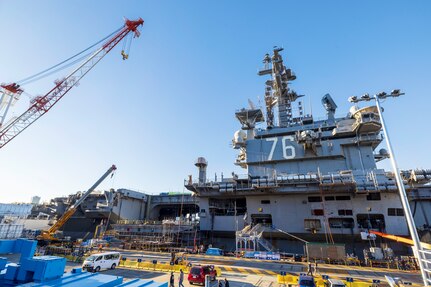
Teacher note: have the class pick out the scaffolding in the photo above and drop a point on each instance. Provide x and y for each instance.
(157, 235)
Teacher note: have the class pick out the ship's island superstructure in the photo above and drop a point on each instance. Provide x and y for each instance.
(312, 178)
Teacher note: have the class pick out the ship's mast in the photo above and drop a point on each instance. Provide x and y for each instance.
(277, 91)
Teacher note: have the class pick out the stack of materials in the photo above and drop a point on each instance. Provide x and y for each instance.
(32, 271)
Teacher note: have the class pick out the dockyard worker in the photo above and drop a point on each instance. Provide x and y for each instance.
(310, 269)
(172, 280)
(403, 264)
(172, 256)
(226, 283)
(220, 283)
(181, 279)
(315, 267)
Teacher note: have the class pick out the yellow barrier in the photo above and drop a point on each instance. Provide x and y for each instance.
(287, 279)
(218, 271)
(145, 265)
(164, 267)
(130, 264)
(293, 279)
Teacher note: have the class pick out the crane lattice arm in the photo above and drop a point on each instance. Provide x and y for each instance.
(49, 234)
(42, 104)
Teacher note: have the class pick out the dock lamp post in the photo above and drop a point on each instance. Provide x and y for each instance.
(417, 248)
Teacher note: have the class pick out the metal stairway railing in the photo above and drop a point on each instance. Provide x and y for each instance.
(255, 234)
(425, 257)
(258, 229)
(265, 243)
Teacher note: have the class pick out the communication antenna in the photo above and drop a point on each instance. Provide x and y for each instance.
(251, 104)
(300, 109)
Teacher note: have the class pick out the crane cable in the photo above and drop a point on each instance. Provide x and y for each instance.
(55, 71)
(125, 51)
(110, 206)
(50, 70)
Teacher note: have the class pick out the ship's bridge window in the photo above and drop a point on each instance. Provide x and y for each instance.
(374, 196)
(314, 199)
(338, 197)
(371, 221)
(341, 222)
(317, 212)
(227, 206)
(265, 201)
(312, 224)
(344, 212)
(395, 212)
(342, 197)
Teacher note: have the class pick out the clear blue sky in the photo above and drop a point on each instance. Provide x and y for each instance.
(195, 64)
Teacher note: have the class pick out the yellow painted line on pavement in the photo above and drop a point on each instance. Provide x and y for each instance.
(257, 271)
(269, 272)
(242, 270)
(226, 268)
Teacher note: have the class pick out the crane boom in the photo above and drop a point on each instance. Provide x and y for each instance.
(399, 238)
(42, 104)
(9, 94)
(49, 234)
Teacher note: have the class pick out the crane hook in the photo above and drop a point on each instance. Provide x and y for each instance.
(125, 56)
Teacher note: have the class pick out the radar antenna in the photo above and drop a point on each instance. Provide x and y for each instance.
(330, 106)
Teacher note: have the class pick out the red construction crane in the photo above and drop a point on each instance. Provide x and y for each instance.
(42, 104)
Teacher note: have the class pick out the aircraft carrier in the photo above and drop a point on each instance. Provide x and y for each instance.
(315, 179)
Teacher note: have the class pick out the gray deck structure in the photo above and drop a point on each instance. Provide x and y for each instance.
(317, 179)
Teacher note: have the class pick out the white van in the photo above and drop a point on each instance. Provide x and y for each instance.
(99, 261)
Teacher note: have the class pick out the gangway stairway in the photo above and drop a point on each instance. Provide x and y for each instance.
(250, 238)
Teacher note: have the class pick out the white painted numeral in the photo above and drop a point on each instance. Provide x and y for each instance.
(288, 149)
(271, 153)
